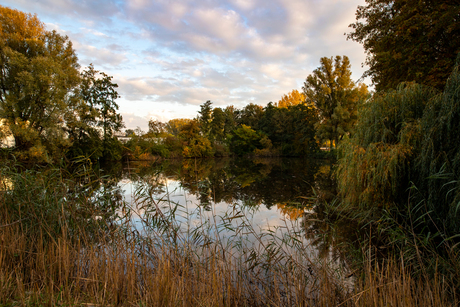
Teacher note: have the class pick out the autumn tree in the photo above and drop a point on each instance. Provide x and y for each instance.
(291, 99)
(408, 40)
(38, 73)
(156, 127)
(332, 91)
(195, 145)
(174, 126)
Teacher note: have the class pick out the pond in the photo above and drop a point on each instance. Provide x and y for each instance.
(264, 194)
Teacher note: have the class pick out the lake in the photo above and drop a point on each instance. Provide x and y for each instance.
(263, 194)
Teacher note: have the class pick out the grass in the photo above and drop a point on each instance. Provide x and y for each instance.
(62, 243)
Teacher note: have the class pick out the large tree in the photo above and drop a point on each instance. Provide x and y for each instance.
(94, 118)
(332, 91)
(411, 40)
(38, 73)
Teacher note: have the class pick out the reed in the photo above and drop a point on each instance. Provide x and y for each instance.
(83, 252)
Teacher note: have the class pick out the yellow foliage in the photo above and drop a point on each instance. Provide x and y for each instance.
(19, 29)
(291, 99)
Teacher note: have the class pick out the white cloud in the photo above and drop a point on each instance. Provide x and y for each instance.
(168, 57)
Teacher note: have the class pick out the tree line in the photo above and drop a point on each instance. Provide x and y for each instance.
(54, 111)
(297, 125)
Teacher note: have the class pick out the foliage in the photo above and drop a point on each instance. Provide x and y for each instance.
(48, 106)
(94, 119)
(217, 125)
(174, 126)
(408, 40)
(156, 127)
(39, 71)
(245, 140)
(250, 116)
(291, 99)
(205, 117)
(400, 169)
(195, 145)
(335, 95)
(375, 161)
(292, 129)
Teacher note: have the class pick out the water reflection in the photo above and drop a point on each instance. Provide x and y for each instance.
(279, 191)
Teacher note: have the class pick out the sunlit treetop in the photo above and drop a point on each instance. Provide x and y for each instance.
(20, 31)
(291, 99)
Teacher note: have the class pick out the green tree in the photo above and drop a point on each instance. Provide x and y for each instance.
(250, 116)
(336, 97)
(408, 40)
(38, 73)
(245, 140)
(94, 119)
(230, 119)
(217, 126)
(205, 117)
(291, 129)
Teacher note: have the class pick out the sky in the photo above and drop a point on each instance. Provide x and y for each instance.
(169, 57)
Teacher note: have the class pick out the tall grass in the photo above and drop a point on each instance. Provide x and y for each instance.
(68, 242)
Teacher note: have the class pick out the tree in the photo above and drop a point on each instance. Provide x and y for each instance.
(195, 145)
(250, 115)
(408, 40)
(205, 117)
(336, 97)
(245, 140)
(174, 126)
(217, 126)
(230, 119)
(38, 74)
(291, 129)
(156, 127)
(129, 132)
(291, 99)
(94, 119)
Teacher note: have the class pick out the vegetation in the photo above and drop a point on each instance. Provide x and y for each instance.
(51, 109)
(331, 90)
(77, 254)
(402, 175)
(408, 41)
(67, 236)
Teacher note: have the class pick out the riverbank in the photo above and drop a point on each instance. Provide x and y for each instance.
(64, 243)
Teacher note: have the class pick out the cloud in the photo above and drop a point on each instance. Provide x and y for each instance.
(102, 56)
(171, 56)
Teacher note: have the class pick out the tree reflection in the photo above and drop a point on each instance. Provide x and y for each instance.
(296, 187)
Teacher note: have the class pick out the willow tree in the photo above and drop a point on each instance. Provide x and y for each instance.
(331, 90)
(38, 74)
(403, 162)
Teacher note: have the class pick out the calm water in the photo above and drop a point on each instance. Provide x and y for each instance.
(271, 193)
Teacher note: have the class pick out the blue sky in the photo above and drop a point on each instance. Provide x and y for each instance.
(168, 57)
